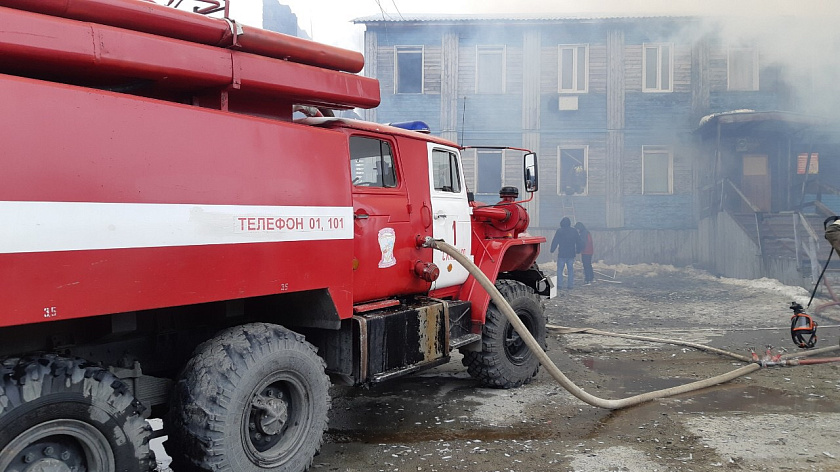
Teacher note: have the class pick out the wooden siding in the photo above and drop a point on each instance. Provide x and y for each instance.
(432, 64)
(718, 81)
(466, 69)
(513, 70)
(662, 112)
(700, 74)
(633, 67)
(682, 68)
(724, 248)
(408, 107)
(658, 211)
(491, 120)
(371, 66)
(597, 68)
(675, 247)
(385, 60)
(468, 158)
(586, 209)
(512, 175)
(590, 116)
(616, 104)
(449, 87)
(531, 119)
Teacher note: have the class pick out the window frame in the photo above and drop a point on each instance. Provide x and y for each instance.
(393, 158)
(454, 163)
(559, 181)
(659, 149)
(754, 87)
(477, 179)
(575, 58)
(658, 88)
(487, 49)
(409, 49)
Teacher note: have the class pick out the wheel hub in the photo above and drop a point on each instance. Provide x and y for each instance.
(58, 446)
(48, 465)
(515, 348)
(272, 412)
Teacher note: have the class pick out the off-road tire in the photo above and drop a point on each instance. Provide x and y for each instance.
(214, 423)
(505, 360)
(66, 412)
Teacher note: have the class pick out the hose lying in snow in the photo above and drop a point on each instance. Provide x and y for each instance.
(702, 347)
(555, 372)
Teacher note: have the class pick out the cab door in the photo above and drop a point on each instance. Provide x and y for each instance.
(451, 212)
(384, 243)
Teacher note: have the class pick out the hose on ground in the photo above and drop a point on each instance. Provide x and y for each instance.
(701, 347)
(549, 365)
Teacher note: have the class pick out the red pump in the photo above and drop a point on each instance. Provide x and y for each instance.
(506, 219)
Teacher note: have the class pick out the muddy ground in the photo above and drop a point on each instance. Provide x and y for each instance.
(783, 418)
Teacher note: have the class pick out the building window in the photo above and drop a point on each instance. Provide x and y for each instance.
(409, 69)
(573, 169)
(490, 69)
(445, 173)
(742, 73)
(372, 163)
(658, 68)
(488, 176)
(657, 170)
(574, 68)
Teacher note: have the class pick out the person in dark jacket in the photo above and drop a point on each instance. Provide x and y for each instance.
(586, 253)
(568, 244)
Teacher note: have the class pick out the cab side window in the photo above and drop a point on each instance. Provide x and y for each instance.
(372, 163)
(447, 177)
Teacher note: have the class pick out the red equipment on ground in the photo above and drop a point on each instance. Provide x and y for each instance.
(175, 244)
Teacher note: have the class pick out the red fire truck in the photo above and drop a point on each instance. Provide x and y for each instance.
(176, 243)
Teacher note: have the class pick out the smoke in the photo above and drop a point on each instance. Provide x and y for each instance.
(804, 50)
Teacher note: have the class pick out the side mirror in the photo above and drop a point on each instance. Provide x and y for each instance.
(531, 178)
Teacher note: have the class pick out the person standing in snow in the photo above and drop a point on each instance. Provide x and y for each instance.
(586, 253)
(568, 244)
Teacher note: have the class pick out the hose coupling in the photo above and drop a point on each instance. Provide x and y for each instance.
(426, 241)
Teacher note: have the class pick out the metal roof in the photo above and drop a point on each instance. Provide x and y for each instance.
(507, 17)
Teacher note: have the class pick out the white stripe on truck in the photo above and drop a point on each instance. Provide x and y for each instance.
(79, 226)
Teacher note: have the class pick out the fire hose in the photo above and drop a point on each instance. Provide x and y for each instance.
(570, 386)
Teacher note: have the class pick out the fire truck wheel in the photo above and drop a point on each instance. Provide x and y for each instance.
(505, 360)
(254, 398)
(65, 414)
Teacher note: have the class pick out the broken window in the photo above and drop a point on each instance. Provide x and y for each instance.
(409, 69)
(572, 175)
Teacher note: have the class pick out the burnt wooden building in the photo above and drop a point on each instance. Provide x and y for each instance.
(614, 107)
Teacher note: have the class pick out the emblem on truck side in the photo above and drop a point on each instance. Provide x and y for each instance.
(387, 237)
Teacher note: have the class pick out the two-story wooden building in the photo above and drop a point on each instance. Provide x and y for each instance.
(614, 107)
